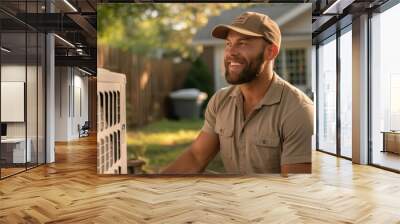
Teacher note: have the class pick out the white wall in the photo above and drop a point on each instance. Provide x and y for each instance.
(71, 94)
(61, 103)
(10, 73)
(33, 126)
(82, 83)
(14, 73)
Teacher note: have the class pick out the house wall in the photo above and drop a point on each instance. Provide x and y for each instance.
(300, 44)
(219, 68)
(301, 24)
(296, 33)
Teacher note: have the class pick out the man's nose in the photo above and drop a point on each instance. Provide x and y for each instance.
(231, 51)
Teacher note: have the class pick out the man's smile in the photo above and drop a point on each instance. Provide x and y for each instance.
(236, 65)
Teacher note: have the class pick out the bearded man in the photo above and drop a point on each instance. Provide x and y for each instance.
(259, 124)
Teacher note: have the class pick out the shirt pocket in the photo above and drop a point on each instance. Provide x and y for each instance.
(267, 142)
(224, 131)
(226, 145)
(225, 135)
(265, 154)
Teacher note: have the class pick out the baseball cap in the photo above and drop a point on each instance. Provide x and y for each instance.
(251, 24)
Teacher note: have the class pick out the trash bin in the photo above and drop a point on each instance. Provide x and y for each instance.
(187, 103)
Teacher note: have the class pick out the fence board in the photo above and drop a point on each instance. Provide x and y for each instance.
(149, 82)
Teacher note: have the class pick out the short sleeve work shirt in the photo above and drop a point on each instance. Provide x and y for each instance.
(278, 131)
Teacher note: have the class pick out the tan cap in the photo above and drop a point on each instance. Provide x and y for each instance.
(251, 24)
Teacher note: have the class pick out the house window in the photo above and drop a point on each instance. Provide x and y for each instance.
(296, 66)
(278, 64)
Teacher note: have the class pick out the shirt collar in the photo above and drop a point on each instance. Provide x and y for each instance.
(273, 94)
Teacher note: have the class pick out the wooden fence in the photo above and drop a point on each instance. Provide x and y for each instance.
(149, 82)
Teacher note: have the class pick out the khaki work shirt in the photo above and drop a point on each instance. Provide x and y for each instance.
(278, 131)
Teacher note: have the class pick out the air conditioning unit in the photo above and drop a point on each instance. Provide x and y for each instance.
(111, 123)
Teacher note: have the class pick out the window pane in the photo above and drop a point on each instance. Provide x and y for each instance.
(32, 97)
(41, 98)
(346, 94)
(386, 89)
(327, 97)
(15, 151)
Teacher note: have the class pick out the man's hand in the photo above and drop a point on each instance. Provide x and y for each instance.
(196, 158)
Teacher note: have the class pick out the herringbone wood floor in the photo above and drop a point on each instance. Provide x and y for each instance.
(70, 191)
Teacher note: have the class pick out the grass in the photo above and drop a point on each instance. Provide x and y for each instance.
(161, 142)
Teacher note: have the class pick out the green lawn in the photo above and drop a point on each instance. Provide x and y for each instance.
(161, 142)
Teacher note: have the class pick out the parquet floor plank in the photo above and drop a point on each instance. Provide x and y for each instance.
(70, 191)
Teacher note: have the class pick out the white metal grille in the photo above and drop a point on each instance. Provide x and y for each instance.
(111, 119)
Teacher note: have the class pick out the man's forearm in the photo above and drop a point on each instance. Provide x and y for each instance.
(196, 157)
(184, 164)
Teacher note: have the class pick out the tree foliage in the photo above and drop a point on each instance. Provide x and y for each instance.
(155, 29)
(199, 77)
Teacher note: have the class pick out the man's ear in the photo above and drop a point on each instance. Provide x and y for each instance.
(270, 52)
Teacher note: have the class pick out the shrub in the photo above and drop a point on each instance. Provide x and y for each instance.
(200, 78)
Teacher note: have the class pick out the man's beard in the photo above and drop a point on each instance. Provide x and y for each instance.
(248, 74)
